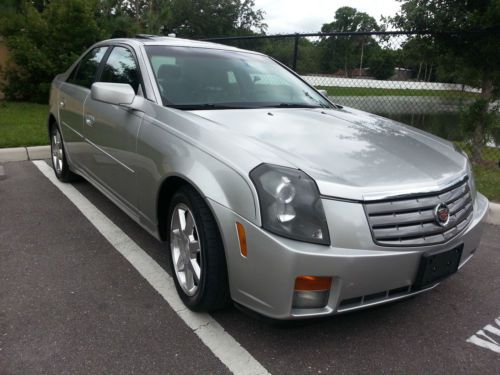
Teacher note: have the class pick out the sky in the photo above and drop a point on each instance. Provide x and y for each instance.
(290, 16)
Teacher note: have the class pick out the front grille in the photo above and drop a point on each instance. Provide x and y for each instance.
(356, 302)
(411, 221)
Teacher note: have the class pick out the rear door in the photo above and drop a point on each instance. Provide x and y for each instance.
(72, 96)
(112, 129)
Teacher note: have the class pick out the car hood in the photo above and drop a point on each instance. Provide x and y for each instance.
(350, 153)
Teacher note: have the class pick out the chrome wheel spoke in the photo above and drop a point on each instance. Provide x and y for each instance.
(195, 267)
(180, 266)
(176, 224)
(181, 215)
(190, 280)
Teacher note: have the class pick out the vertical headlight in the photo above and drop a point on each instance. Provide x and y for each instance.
(470, 173)
(290, 204)
(472, 182)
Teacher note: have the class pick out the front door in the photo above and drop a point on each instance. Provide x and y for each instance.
(111, 130)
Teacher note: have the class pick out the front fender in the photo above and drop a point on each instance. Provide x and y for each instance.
(165, 154)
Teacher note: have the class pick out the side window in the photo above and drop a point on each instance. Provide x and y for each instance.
(84, 73)
(121, 68)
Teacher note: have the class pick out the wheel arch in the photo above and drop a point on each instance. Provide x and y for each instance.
(166, 191)
(51, 121)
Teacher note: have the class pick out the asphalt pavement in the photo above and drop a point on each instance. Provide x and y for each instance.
(70, 303)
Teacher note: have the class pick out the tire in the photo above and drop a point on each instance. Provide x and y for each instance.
(58, 157)
(208, 290)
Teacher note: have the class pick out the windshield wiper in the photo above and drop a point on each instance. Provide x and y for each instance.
(291, 105)
(194, 107)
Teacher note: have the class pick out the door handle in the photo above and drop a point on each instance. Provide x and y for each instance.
(62, 103)
(89, 120)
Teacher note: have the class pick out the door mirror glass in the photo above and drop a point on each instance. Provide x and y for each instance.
(113, 93)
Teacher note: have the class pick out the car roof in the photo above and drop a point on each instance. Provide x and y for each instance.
(155, 40)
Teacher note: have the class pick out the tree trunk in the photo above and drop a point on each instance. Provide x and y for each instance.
(479, 137)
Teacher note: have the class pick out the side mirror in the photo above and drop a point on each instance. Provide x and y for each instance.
(323, 92)
(113, 93)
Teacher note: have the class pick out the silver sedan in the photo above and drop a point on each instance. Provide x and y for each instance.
(264, 192)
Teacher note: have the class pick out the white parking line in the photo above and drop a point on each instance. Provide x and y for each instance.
(485, 337)
(211, 333)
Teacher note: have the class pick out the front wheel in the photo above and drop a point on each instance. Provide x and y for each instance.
(58, 156)
(197, 256)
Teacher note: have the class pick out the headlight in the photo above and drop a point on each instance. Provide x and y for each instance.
(470, 173)
(290, 204)
(472, 182)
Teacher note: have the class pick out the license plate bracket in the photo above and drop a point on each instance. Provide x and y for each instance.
(436, 266)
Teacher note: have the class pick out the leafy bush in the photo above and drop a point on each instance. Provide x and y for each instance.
(45, 44)
(381, 64)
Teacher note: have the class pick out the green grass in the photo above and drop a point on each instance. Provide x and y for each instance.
(23, 124)
(365, 91)
(487, 175)
(488, 181)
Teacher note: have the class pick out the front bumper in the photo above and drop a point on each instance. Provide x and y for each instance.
(364, 274)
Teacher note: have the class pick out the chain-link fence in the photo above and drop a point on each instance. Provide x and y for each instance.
(397, 75)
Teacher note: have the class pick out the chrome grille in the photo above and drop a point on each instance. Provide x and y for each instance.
(411, 221)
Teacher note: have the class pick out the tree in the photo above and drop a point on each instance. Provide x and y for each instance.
(46, 43)
(381, 64)
(419, 54)
(341, 52)
(467, 33)
(45, 37)
(205, 18)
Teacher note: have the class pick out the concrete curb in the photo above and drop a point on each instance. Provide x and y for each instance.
(13, 154)
(38, 152)
(24, 153)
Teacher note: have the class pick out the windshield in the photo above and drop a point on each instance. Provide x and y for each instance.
(202, 78)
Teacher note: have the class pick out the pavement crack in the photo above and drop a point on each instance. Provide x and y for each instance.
(201, 326)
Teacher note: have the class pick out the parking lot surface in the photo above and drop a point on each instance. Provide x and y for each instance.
(71, 303)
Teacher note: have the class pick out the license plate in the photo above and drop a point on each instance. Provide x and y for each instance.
(437, 266)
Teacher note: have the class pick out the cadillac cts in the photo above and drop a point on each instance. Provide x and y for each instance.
(264, 192)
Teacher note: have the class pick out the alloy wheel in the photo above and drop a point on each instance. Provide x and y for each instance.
(57, 151)
(185, 249)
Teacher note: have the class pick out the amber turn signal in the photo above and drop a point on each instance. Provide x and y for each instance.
(242, 237)
(313, 283)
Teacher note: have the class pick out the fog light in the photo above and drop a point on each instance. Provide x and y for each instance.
(311, 292)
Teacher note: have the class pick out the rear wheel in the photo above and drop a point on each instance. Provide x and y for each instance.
(197, 256)
(58, 156)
